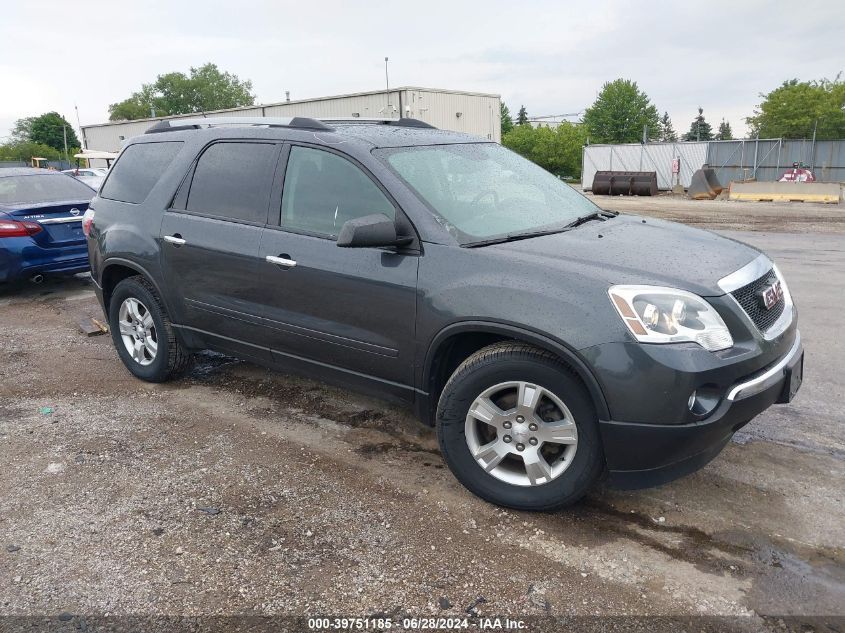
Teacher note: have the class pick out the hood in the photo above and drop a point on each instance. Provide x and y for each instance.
(630, 249)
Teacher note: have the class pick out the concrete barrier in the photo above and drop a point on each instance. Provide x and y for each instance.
(828, 192)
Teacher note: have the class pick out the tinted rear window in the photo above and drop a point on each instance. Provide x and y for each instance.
(232, 180)
(138, 169)
(42, 188)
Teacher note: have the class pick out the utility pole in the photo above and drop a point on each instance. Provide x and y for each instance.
(386, 86)
(64, 133)
(79, 125)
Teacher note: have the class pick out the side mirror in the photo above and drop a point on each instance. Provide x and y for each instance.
(369, 231)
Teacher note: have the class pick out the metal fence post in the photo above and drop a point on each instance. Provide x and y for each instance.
(756, 149)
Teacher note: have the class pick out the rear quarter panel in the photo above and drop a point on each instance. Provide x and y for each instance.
(128, 234)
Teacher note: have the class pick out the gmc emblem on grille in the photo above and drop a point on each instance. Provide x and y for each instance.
(770, 295)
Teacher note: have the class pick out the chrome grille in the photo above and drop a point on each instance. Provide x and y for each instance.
(748, 298)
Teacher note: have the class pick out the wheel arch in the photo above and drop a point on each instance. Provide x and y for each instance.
(116, 270)
(442, 354)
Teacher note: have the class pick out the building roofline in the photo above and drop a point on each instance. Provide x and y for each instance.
(292, 101)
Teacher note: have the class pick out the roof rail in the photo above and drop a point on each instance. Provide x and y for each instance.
(403, 122)
(172, 125)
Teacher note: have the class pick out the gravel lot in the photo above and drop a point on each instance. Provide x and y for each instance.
(239, 491)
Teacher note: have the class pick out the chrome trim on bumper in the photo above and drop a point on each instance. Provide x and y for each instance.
(70, 218)
(765, 380)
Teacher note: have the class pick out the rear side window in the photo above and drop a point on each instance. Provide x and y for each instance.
(138, 169)
(233, 180)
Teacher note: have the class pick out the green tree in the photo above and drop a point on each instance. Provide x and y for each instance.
(129, 109)
(557, 150)
(26, 150)
(505, 116)
(22, 130)
(620, 113)
(522, 116)
(699, 129)
(667, 132)
(725, 133)
(797, 108)
(205, 89)
(48, 129)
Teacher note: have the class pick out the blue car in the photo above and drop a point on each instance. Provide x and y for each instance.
(41, 224)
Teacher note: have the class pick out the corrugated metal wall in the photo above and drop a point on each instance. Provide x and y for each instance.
(767, 159)
(764, 160)
(655, 157)
(365, 105)
(462, 112)
(479, 113)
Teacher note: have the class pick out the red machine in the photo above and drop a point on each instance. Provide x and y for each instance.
(798, 173)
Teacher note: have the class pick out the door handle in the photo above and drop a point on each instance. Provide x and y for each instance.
(281, 261)
(174, 239)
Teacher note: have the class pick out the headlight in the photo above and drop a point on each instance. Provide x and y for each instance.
(667, 315)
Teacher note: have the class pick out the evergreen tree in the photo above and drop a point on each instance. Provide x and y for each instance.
(505, 115)
(699, 129)
(522, 116)
(667, 132)
(724, 133)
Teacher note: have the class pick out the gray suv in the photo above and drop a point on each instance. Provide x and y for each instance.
(550, 342)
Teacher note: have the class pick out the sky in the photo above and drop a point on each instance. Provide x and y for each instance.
(551, 56)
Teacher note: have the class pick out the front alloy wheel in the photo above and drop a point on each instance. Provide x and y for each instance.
(518, 428)
(521, 433)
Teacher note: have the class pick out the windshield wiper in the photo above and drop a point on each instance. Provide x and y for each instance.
(524, 235)
(601, 214)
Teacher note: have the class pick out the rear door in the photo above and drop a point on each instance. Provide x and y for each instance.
(210, 240)
(346, 309)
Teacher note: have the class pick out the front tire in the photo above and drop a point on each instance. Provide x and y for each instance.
(517, 427)
(142, 332)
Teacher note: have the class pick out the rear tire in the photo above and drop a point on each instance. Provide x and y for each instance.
(142, 332)
(517, 427)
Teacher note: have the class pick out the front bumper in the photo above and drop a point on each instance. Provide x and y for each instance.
(642, 455)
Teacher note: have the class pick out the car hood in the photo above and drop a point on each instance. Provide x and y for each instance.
(630, 249)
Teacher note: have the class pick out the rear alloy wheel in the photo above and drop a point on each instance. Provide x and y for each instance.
(142, 333)
(517, 427)
(138, 331)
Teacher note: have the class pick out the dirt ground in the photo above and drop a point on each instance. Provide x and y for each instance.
(240, 492)
(779, 217)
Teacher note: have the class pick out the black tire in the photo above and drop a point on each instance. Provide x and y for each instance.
(513, 361)
(171, 358)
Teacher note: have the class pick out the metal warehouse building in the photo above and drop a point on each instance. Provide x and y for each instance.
(470, 112)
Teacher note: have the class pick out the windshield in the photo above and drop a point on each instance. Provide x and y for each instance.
(481, 191)
(38, 188)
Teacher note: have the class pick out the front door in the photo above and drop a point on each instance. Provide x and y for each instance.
(210, 247)
(346, 309)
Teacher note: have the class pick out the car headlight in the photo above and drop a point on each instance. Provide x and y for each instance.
(655, 314)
